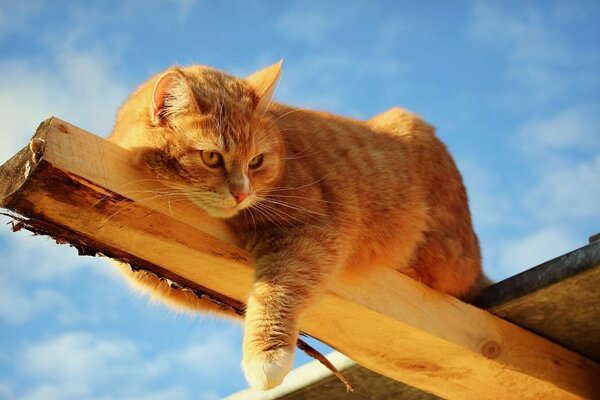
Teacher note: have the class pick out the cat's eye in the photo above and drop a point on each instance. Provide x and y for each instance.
(212, 158)
(256, 162)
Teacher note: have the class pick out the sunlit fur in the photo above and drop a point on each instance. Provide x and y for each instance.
(334, 195)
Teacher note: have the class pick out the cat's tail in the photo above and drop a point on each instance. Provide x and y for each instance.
(482, 282)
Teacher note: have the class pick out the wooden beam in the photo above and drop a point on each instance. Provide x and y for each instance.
(82, 189)
(559, 299)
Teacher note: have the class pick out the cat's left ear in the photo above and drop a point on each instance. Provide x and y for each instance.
(264, 83)
(171, 96)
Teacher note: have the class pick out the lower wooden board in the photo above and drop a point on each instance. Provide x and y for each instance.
(558, 299)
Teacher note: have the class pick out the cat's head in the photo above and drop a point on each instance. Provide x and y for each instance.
(207, 134)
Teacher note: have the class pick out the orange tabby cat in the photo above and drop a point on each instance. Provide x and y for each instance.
(310, 194)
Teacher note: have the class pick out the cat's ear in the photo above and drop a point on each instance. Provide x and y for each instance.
(171, 96)
(264, 83)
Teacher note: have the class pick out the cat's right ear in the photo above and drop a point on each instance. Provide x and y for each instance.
(171, 96)
(264, 83)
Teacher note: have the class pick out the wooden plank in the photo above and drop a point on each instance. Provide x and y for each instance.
(558, 299)
(313, 381)
(83, 188)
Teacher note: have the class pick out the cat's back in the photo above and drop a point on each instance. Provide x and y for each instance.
(388, 182)
(390, 145)
(361, 176)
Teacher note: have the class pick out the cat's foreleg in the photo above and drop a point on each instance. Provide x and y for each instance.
(289, 279)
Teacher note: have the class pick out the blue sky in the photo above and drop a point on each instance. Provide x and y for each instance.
(512, 87)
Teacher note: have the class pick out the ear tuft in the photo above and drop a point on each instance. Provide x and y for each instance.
(171, 96)
(264, 83)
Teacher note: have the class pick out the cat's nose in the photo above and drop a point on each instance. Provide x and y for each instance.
(239, 195)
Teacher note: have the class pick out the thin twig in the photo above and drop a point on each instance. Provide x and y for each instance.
(312, 352)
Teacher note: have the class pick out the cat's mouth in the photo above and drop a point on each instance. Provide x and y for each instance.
(220, 211)
(215, 205)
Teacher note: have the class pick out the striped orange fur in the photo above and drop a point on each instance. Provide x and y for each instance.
(311, 194)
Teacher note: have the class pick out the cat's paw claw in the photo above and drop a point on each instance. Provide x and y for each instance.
(267, 369)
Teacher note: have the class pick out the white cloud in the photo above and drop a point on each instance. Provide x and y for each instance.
(17, 307)
(79, 357)
(577, 127)
(314, 22)
(32, 269)
(535, 248)
(307, 25)
(81, 90)
(44, 259)
(490, 206)
(524, 34)
(76, 365)
(79, 365)
(328, 91)
(564, 151)
(544, 65)
(15, 15)
(567, 194)
(79, 86)
(6, 391)
(211, 357)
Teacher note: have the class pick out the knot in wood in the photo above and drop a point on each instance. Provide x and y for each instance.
(37, 148)
(490, 349)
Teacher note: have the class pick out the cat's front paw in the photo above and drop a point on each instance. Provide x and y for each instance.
(267, 369)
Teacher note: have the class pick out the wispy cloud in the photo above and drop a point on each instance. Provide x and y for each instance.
(33, 270)
(18, 306)
(307, 25)
(567, 193)
(81, 89)
(574, 128)
(548, 85)
(490, 206)
(314, 22)
(15, 15)
(534, 248)
(539, 61)
(331, 81)
(45, 260)
(80, 364)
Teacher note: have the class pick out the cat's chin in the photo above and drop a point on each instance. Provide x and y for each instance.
(226, 212)
(222, 212)
(215, 211)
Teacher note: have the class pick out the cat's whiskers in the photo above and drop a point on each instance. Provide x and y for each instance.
(297, 156)
(253, 223)
(272, 95)
(287, 217)
(285, 114)
(130, 197)
(273, 193)
(267, 212)
(122, 188)
(275, 206)
(298, 153)
(272, 123)
(140, 201)
(259, 120)
(281, 188)
(292, 206)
